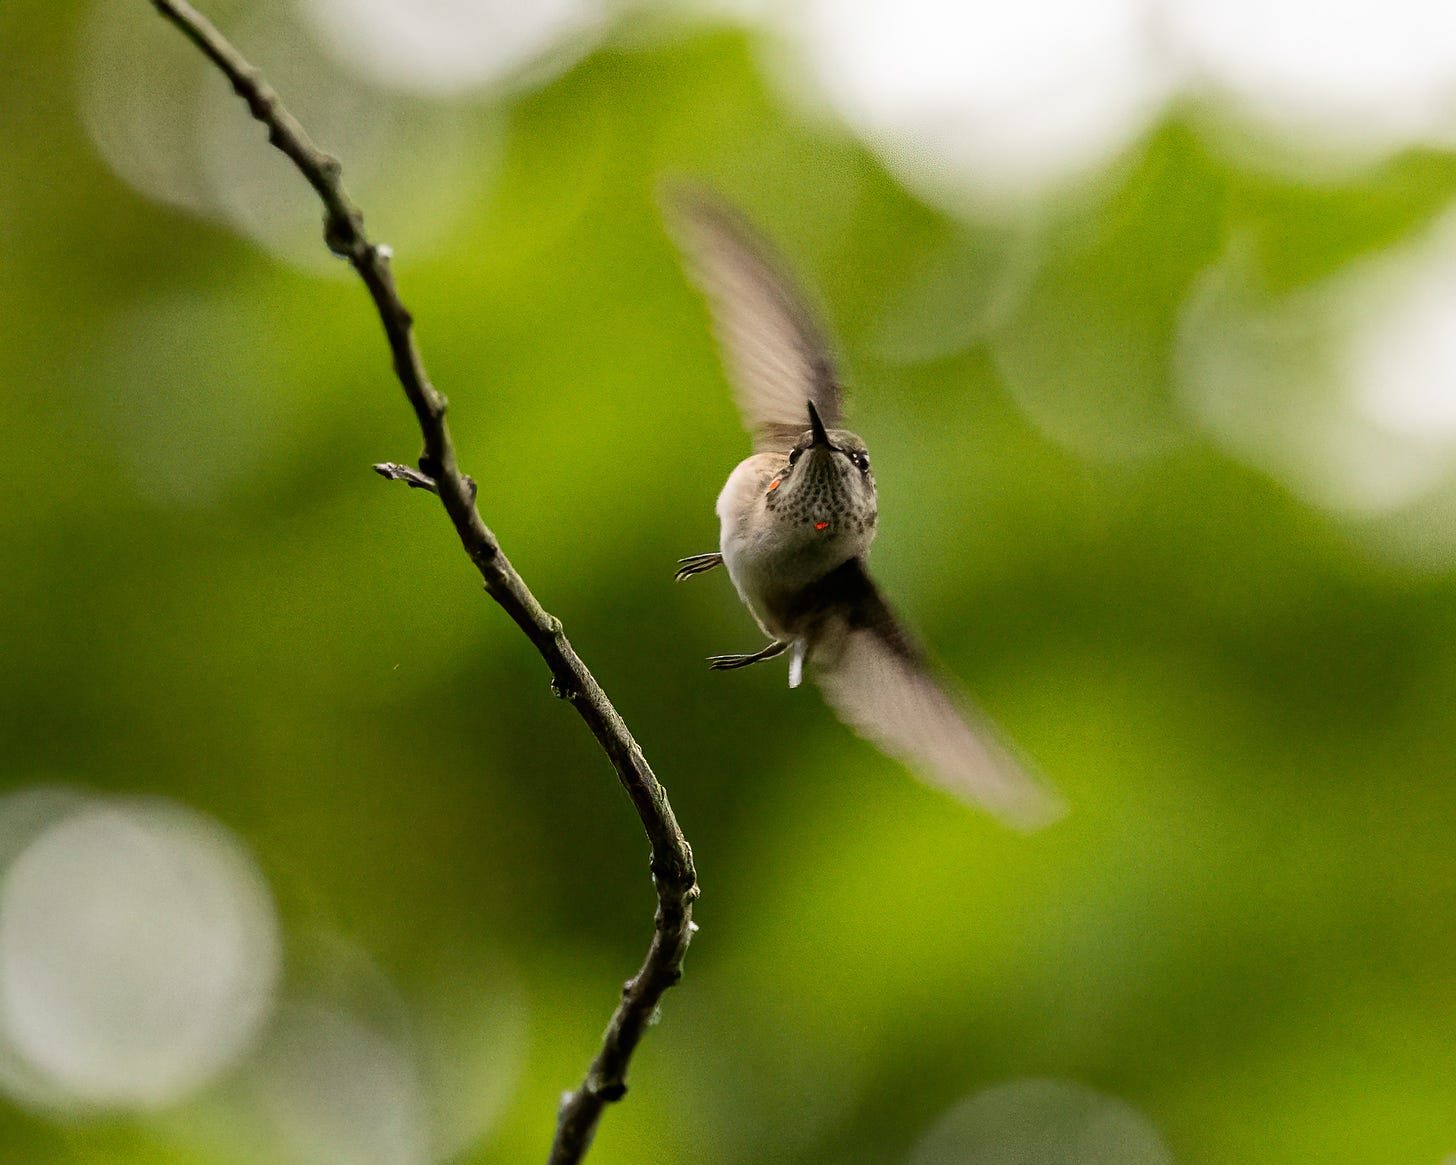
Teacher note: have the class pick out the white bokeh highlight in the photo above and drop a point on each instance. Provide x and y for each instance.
(355, 1070)
(1360, 77)
(450, 46)
(1402, 357)
(1345, 390)
(135, 108)
(330, 1088)
(139, 954)
(981, 105)
(165, 122)
(1042, 1122)
(978, 106)
(984, 100)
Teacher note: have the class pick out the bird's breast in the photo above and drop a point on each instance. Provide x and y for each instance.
(773, 552)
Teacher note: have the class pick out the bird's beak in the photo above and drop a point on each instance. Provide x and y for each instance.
(821, 438)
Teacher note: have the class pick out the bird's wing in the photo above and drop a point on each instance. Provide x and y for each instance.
(776, 355)
(880, 684)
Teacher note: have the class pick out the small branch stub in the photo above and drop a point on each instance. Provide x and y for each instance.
(411, 477)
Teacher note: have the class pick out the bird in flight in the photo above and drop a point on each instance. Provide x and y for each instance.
(798, 516)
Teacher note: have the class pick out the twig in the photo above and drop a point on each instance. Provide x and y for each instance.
(672, 859)
(394, 471)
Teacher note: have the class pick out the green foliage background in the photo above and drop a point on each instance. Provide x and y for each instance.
(1244, 927)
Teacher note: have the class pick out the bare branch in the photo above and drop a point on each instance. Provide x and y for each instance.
(672, 859)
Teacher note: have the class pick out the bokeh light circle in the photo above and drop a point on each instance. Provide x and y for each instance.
(445, 46)
(139, 953)
(1342, 388)
(1362, 76)
(168, 126)
(330, 1088)
(986, 101)
(1042, 1122)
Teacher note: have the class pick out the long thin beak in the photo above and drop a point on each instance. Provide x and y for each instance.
(820, 436)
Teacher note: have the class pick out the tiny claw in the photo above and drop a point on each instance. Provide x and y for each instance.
(697, 564)
(769, 651)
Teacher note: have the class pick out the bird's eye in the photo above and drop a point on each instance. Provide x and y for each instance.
(794, 455)
(863, 461)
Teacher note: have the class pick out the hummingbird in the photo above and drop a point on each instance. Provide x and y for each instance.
(797, 520)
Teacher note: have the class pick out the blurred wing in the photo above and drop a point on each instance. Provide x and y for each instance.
(883, 687)
(776, 355)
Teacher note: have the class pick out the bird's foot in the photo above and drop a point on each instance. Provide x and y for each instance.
(697, 564)
(729, 662)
